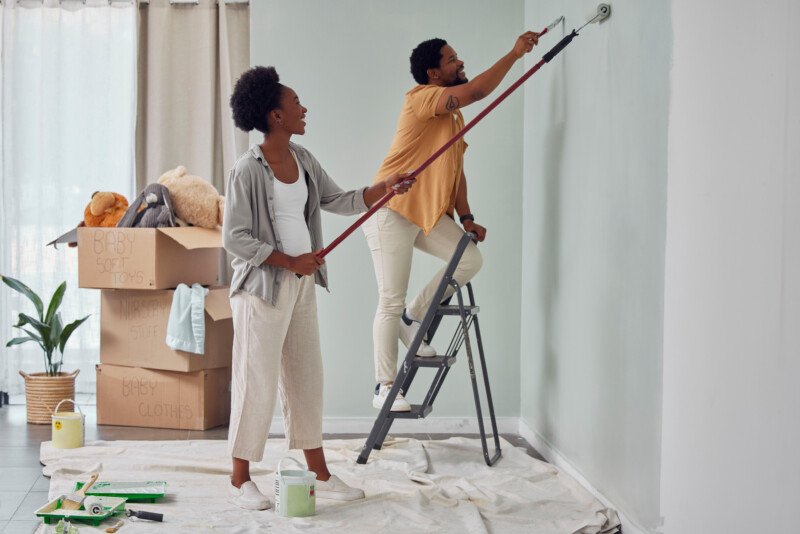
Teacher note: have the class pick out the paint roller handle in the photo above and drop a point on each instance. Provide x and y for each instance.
(150, 516)
(551, 25)
(559, 47)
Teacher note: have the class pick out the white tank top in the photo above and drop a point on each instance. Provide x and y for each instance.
(290, 205)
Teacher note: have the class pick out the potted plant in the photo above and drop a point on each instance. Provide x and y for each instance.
(44, 390)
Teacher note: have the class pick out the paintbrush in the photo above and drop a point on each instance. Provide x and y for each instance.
(74, 501)
(115, 527)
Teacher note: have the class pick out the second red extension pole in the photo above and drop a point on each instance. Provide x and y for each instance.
(375, 207)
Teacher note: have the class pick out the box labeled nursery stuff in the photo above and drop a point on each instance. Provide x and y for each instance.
(147, 258)
(133, 330)
(131, 396)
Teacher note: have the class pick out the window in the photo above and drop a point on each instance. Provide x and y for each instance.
(68, 110)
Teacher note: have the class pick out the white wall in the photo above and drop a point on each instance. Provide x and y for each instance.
(348, 62)
(732, 315)
(593, 247)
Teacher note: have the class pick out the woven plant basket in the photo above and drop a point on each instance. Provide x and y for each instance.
(43, 393)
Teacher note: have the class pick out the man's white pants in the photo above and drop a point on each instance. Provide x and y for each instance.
(276, 350)
(392, 239)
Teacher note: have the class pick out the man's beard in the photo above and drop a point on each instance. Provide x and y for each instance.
(458, 81)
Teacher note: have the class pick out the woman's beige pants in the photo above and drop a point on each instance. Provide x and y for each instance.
(276, 350)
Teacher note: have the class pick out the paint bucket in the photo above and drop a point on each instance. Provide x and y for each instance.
(294, 490)
(68, 427)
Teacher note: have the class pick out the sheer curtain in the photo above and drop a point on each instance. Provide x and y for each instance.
(68, 108)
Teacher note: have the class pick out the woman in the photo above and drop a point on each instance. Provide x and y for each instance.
(272, 226)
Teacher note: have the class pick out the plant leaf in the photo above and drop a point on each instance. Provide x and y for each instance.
(68, 332)
(18, 286)
(55, 302)
(43, 329)
(55, 330)
(19, 341)
(33, 335)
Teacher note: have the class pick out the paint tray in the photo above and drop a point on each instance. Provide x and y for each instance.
(132, 491)
(52, 511)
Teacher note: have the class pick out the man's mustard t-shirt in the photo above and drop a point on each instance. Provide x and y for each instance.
(420, 133)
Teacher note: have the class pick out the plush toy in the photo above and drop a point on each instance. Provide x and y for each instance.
(151, 209)
(105, 209)
(195, 201)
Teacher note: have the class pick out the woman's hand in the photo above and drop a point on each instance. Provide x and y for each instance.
(477, 229)
(399, 183)
(306, 264)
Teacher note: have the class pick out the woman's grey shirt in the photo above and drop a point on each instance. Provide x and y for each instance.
(249, 232)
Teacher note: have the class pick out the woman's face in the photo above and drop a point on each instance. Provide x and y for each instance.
(291, 113)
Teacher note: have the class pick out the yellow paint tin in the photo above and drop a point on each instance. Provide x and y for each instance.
(68, 427)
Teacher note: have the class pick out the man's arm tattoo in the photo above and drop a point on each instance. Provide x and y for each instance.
(452, 103)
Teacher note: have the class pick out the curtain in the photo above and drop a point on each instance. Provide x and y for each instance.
(67, 115)
(189, 58)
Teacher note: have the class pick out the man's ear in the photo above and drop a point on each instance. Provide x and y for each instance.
(433, 74)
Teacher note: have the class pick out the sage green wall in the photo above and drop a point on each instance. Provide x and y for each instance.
(594, 222)
(348, 62)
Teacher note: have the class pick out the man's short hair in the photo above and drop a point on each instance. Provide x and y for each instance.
(427, 55)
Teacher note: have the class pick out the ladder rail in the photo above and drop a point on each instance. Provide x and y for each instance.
(490, 460)
(487, 388)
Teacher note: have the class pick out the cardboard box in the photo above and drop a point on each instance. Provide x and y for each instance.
(131, 396)
(133, 330)
(147, 258)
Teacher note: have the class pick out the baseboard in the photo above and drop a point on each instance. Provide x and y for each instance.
(553, 456)
(429, 425)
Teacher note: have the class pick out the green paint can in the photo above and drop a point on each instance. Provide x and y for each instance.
(294, 490)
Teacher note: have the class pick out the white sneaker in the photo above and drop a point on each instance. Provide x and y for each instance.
(334, 488)
(400, 403)
(407, 334)
(248, 497)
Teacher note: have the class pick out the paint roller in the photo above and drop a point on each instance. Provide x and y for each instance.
(601, 12)
(93, 505)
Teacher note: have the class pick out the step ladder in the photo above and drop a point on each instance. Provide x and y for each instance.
(468, 319)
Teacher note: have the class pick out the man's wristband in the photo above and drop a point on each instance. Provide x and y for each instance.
(468, 216)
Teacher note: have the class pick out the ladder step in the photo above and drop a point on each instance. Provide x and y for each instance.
(453, 310)
(416, 412)
(435, 361)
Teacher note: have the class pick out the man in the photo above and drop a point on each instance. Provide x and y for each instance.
(423, 218)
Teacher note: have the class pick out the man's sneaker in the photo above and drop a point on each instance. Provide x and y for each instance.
(400, 403)
(334, 488)
(248, 497)
(408, 330)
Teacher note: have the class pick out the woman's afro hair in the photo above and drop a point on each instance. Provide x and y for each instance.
(256, 93)
(427, 55)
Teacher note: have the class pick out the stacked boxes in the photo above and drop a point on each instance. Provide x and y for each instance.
(140, 380)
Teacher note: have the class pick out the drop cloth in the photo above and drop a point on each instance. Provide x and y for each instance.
(411, 486)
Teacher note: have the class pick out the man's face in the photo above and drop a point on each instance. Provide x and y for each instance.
(451, 67)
